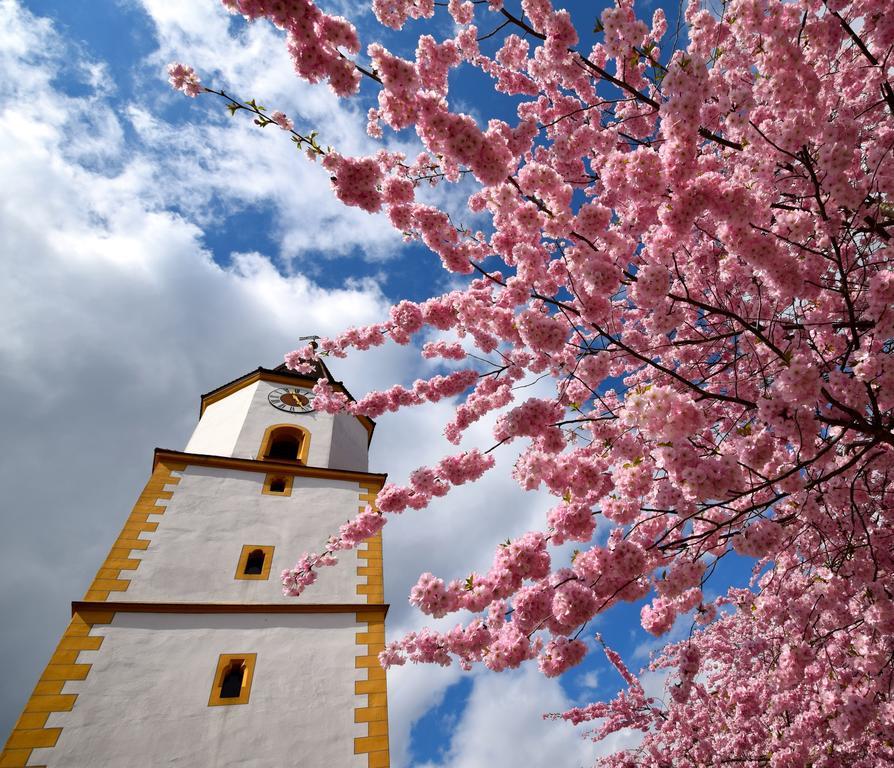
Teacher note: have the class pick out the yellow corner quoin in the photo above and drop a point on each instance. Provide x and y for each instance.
(371, 642)
(108, 578)
(284, 479)
(265, 567)
(226, 662)
(30, 732)
(371, 585)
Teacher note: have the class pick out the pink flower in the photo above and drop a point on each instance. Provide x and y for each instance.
(282, 121)
(184, 79)
(561, 654)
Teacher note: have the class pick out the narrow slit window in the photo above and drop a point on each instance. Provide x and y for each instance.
(232, 679)
(278, 485)
(254, 562)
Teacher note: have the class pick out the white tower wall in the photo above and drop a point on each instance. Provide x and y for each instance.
(149, 684)
(218, 428)
(214, 512)
(137, 679)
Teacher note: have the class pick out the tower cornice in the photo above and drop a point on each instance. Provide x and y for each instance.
(79, 606)
(267, 465)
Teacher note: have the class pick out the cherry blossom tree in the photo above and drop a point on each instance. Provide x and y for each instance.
(691, 244)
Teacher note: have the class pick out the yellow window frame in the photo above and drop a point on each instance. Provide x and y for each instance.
(243, 562)
(271, 476)
(224, 663)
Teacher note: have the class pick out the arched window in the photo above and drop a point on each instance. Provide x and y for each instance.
(285, 442)
(284, 446)
(231, 685)
(232, 680)
(254, 563)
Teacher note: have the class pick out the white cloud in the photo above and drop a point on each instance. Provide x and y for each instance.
(502, 725)
(231, 157)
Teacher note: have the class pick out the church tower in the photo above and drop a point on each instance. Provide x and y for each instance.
(184, 651)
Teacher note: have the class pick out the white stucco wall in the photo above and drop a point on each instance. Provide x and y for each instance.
(218, 429)
(193, 554)
(145, 702)
(350, 444)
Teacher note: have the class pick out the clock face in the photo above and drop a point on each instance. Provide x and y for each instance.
(292, 400)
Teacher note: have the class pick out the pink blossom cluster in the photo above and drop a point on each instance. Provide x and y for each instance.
(327, 398)
(499, 647)
(760, 539)
(367, 523)
(357, 182)
(444, 349)
(296, 580)
(394, 13)
(806, 693)
(541, 332)
(560, 655)
(516, 561)
(533, 418)
(571, 522)
(662, 412)
(683, 575)
(658, 616)
(424, 390)
(314, 39)
(426, 482)
(282, 120)
(183, 78)
(354, 532)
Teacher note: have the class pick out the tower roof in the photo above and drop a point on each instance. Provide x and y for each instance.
(283, 375)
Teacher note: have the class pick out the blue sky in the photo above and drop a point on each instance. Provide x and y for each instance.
(158, 248)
